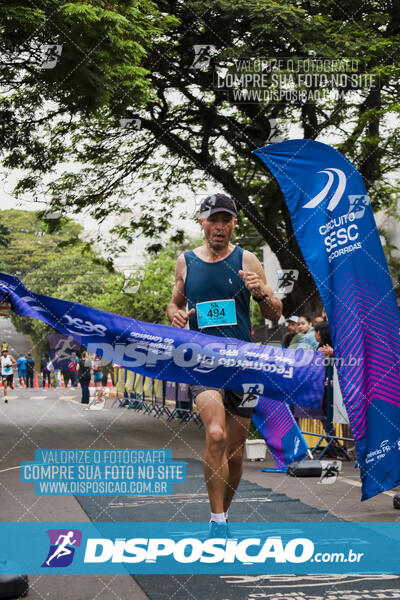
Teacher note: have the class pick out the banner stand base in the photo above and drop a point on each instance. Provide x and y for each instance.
(277, 470)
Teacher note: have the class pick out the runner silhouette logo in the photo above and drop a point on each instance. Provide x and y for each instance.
(63, 543)
(251, 394)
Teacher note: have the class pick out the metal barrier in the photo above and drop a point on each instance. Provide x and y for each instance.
(174, 400)
(155, 397)
(329, 439)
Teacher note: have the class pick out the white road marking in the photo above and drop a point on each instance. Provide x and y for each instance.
(10, 469)
(178, 499)
(358, 484)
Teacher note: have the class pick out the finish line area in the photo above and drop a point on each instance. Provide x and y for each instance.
(33, 420)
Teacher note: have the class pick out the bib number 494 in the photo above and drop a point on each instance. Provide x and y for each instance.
(215, 311)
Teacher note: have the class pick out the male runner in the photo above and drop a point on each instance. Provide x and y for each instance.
(226, 275)
(7, 364)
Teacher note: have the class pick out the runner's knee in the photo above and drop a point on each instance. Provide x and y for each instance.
(217, 435)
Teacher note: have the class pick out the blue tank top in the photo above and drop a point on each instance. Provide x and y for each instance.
(219, 281)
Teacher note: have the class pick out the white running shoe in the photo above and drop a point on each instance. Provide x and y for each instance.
(96, 406)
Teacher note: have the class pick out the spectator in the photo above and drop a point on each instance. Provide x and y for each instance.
(21, 362)
(75, 360)
(70, 374)
(45, 371)
(318, 320)
(307, 341)
(84, 375)
(98, 378)
(292, 324)
(292, 336)
(30, 367)
(287, 338)
(323, 337)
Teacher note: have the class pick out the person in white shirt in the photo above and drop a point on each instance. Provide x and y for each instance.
(7, 375)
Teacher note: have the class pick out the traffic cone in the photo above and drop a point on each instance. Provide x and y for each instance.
(62, 381)
(69, 383)
(46, 385)
(23, 383)
(35, 381)
(109, 380)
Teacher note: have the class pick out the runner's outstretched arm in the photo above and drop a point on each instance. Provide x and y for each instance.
(254, 279)
(176, 310)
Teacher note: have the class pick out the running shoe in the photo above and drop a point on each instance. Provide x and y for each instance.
(218, 530)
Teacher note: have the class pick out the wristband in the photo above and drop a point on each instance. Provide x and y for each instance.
(261, 298)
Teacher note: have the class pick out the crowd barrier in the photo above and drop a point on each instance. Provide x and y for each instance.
(173, 401)
(155, 397)
(331, 438)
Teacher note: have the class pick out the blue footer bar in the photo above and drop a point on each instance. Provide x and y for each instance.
(179, 548)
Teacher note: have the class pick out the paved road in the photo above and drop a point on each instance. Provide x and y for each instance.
(55, 418)
(17, 343)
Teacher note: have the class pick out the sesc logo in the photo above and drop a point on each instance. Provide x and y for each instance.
(341, 186)
(33, 303)
(62, 547)
(77, 325)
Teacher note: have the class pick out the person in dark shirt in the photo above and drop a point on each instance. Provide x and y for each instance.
(84, 376)
(45, 371)
(30, 369)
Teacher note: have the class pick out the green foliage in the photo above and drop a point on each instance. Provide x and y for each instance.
(146, 293)
(134, 59)
(254, 434)
(392, 257)
(4, 234)
(103, 48)
(49, 266)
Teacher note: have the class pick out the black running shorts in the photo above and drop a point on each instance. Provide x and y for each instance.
(236, 403)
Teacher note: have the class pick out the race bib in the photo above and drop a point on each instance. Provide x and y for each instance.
(6, 365)
(216, 313)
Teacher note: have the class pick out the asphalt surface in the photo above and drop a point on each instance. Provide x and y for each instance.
(55, 419)
(17, 343)
(37, 418)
